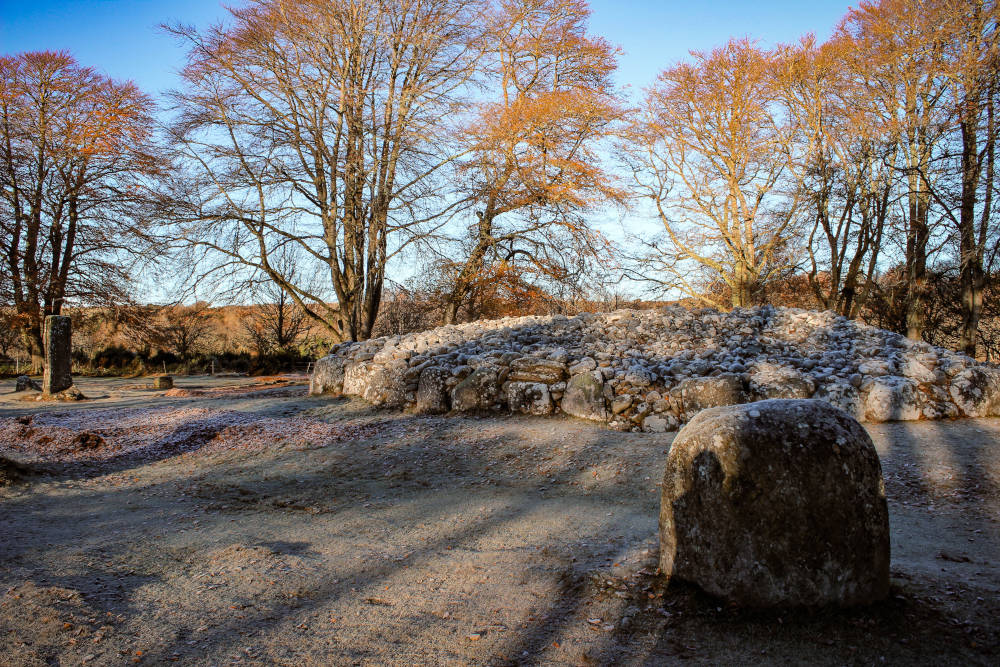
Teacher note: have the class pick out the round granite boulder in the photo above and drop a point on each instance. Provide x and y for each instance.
(776, 503)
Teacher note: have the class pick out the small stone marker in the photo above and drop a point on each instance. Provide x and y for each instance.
(58, 350)
(163, 382)
(25, 383)
(779, 503)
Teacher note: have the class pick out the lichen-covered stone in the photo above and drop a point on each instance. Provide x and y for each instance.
(328, 376)
(976, 392)
(530, 398)
(694, 395)
(479, 391)
(432, 391)
(890, 398)
(841, 395)
(769, 380)
(584, 398)
(776, 503)
(58, 354)
(385, 384)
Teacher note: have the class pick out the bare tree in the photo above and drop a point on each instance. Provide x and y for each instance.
(276, 323)
(75, 153)
(844, 158)
(319, 125)
(971, 64)
(901, 47)
(710, 154)
(534, 168)
(184, 329)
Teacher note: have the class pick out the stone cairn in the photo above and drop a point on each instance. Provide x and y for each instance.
(654, 370)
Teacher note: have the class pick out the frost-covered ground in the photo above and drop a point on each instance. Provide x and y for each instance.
(254, 527)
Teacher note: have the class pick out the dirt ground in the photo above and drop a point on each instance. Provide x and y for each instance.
(235, 522)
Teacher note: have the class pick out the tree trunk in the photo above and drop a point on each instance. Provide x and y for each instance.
(916, 267)
(971, 276)
(31, 336)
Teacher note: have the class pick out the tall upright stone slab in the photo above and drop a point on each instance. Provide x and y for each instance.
(58, 354)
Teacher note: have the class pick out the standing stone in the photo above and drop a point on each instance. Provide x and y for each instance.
(58, 350)
(776, 503)
(163, 382)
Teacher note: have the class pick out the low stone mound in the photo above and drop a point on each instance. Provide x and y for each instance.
(776, 503)
(655, 369)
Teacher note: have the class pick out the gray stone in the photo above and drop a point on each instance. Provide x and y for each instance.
(976, 391)
(584, 398)
(621, 404)
(386, 385)
(776, 503)
(58, 354)
(582, 366)
(654, 424)
(25, 383)
(328, 376)
(841, 395)
(769, 380)
(696, 394)
(432, 391)
(530, 398)
(479, 391)
(533, 369)
(889, 398)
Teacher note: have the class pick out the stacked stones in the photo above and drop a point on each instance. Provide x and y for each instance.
(655, 369)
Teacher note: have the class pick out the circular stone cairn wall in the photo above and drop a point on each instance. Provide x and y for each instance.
(653, 370)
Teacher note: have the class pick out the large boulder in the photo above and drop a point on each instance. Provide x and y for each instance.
(530, 398)
(696, 394)
(976, 391)
(432, 390)
(776, 503)
(841, 395)
(770, 380)
(584, 398)
(890, 398)
(386, 384)
(379, 384)
(478, 391)
(328, 376)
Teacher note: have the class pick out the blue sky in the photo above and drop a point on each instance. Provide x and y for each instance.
(121, 38)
